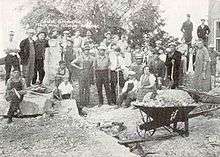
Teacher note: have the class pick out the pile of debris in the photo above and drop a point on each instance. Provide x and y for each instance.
(168, 98)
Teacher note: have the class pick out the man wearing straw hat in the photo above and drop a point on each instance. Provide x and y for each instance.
(27, 55)
(102, 73)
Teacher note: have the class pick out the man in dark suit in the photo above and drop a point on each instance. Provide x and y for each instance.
(27, 55)
(203, 32)
(40, 47)
(187, 29)
(173, 62)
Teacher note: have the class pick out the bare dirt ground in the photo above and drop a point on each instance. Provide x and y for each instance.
(67, 135)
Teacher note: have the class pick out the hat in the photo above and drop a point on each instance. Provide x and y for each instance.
(42, 33)
(131, 72)
(138, 56)
(212, 45)
(86, 47)
(62, 62)
(102, 47)
(11, 33)
(188, 15)
(88, 33)
(30, 31)
(202, 19)
(66, 32)
(107, 33)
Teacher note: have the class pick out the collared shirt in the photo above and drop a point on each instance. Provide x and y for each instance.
(113, 60)
(77, 42)
(134, 82)
(65, 88)
(102, 63)
(11, 47)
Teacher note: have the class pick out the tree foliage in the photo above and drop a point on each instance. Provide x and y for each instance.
(139, 15)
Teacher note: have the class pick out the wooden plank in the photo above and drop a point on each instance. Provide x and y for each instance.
(192, 115)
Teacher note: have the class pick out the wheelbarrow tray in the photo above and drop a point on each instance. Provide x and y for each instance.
(164, 117)
(202, 96)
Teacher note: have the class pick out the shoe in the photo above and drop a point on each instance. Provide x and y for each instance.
(83, 113)
(100, 105)
(9, 120)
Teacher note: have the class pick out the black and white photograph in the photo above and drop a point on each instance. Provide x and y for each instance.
(109, 78)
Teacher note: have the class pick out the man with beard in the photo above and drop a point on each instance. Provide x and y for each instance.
(40, 47)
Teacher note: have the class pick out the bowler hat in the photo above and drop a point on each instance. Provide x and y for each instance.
(42, 33)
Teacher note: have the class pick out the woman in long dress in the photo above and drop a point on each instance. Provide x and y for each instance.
(52, 58)
(202, 74)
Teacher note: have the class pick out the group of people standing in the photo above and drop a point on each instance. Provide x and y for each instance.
(127, 74)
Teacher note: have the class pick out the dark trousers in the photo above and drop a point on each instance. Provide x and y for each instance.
(38, 68)
(176, 74)
(102, 78)
(114, 81)
(127, 98)
(11, 61)
(14, 106)
(84, 92)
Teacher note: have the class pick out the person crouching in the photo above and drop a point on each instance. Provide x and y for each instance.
(129, 91)
(15, 92)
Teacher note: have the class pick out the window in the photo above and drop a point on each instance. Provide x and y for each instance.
(217, 35)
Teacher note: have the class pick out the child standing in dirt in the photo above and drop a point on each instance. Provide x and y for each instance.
(15, 92)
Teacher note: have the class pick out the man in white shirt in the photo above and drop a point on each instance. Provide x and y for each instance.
(129, 91)
(116, 73)
(11, 60)
(77, 40)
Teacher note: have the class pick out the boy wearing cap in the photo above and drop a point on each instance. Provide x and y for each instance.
(40, 47)
(15, 91)
(101, 66)
(203, 32)
(11, 60)
(158, 69)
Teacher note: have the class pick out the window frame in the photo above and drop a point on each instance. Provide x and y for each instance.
(215, 34)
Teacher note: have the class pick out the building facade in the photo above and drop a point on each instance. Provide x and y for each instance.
(214, 23)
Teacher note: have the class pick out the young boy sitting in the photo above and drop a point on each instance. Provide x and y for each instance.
(62, 72)
(64, 90)
(129, 91)
(15, 92)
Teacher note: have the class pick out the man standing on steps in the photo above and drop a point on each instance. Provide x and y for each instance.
(40, 48)
(203, 32)
(187, 29)
(27, 55)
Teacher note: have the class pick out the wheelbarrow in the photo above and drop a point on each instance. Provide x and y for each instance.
(163, 117)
